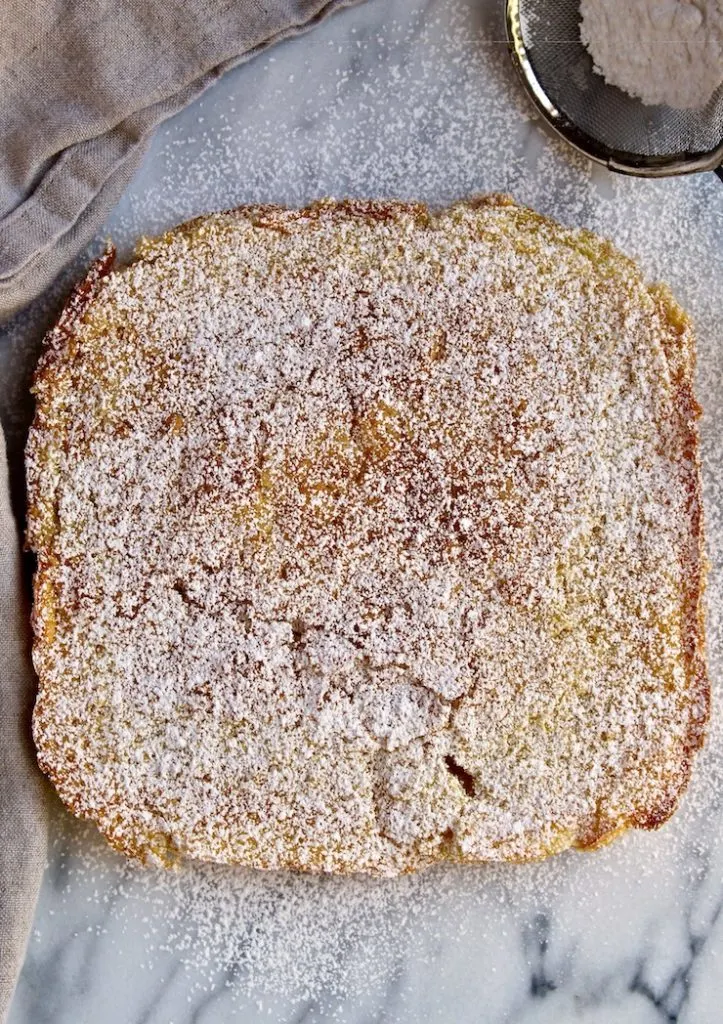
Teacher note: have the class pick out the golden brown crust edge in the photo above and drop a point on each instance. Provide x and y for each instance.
(681, 361)
(58, 346)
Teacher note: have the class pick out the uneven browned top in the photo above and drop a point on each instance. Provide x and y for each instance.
(368, 537)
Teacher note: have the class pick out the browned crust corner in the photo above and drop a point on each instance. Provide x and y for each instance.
(58, 344)
(61, 335)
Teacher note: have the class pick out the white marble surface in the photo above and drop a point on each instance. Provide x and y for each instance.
(414, 99)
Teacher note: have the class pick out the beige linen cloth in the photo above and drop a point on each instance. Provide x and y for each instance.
(83, 84)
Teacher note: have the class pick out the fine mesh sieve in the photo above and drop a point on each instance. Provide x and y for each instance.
(602, 121)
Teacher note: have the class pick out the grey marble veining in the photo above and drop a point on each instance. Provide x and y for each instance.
(415, 99)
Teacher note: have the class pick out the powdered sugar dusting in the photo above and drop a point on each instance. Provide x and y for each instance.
(669, 53)
(366, 539)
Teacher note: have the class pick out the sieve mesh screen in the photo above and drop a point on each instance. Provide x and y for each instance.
(550, 35)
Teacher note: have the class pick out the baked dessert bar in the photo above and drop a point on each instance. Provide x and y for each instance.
(368, 537)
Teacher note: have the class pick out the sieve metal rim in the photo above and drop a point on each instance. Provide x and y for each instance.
(619, 160)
